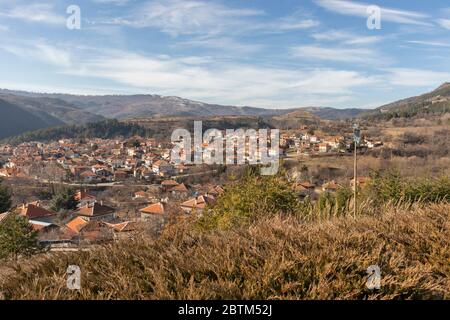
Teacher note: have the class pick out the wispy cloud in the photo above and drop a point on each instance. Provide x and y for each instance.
(220, 81)
(359, 9)
(196, 17)
(36, 12)
(444, 23)
(3, 28)
(416, 77)
(339, 54)
(177, 17)
(113, 2)
(346, 37)
(430, 43)
(39, 50)
(223, 44)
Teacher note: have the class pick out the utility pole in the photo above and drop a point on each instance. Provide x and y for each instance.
(356, 140)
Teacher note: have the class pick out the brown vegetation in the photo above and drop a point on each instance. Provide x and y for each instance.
(274, 258)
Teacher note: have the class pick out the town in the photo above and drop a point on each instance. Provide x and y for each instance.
(125, 186)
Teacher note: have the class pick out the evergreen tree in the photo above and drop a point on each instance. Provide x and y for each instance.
(5, 198)
(17, 237)
(64, 200)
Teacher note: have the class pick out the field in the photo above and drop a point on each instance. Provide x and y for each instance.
(274, 258)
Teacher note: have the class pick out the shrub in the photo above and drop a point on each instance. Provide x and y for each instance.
(250, 198)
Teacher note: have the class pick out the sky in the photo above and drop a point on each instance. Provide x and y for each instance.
(260, 53)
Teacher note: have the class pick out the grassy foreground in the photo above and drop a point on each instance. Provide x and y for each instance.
(273, 258)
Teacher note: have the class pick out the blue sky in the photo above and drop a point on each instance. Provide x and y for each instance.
(261, 53)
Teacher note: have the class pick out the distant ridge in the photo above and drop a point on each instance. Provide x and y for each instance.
(436, 102)
(149, 105)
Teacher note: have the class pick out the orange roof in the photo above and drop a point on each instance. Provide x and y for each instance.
(198, 203)
(330, 185)
(169, 183)
(95, 209)
(179, 188)
(156, 208)
(123, 226)
(34, 210)
(88, 174)
(77, 224)
(83, 195)
(216, 190)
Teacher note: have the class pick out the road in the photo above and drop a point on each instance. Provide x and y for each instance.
(118, 184)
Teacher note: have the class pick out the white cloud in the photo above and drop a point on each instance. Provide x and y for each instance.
(416, 77)
(444, 23)
(339, 54)
(346, 37)
(177, 17)
(221, 82)
(223, 44)
(3, 28)
(113, 2)
(196, 17)
(39, 51)
(36, 12)
(358, 9)
(430, 43)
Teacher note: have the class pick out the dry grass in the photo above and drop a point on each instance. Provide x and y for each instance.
(275, 258)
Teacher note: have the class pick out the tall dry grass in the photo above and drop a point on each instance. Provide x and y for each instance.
(274, 258)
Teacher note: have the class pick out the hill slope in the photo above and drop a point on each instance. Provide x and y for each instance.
(435, 102)
(16, 120)
(25, 113)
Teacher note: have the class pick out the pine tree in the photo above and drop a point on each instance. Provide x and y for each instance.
(17, 237)
(5, 199)
(64, 200)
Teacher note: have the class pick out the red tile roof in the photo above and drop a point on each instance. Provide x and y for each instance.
(95, 209)
(156, 208)
(198, 203)
(34, 210)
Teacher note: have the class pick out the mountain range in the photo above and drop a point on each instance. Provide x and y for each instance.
(24, 111)
(53, 109)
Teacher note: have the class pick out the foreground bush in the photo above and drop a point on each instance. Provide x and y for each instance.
(274, 258)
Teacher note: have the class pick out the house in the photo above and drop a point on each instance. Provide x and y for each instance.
(42, 226)
(90, 231)
(96, 211)
(120, 175)
(163, 168)
(324, 147)
(168, 184)
(361, 181)
(84, 198)
(198, 203)
(331, 186)
(34, 211)
(126, 226)
(179, 189)
(140, 195)
(77, 224)
(88, 176)
(155, 211)
(215, 191)
(304, 189)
